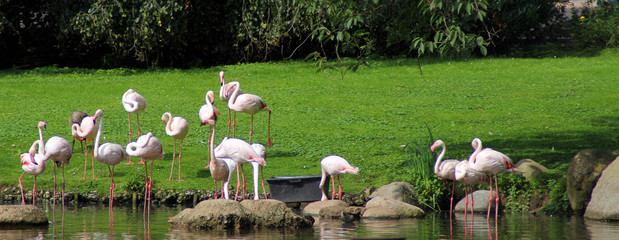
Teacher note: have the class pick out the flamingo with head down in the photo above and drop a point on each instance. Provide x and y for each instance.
(334, 166)
(146, 147)
(240, 152)
(32, 163)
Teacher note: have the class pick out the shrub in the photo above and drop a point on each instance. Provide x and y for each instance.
(596, 28)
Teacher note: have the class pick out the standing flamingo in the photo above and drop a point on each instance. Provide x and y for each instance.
(248, 103)
(468, 176)
(177, 128)
(59, 151)
(77, 117)
(146, 147)
(490, 161)
(224, 96)
(208, 115)
(262, 152)
(133, 102)
(87, 130)
(33, 164)
(445, 170)
(334, 166)
(221, 168)
(240, 152)
(110, 154)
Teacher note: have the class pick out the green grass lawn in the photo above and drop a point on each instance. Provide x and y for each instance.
(545, 109)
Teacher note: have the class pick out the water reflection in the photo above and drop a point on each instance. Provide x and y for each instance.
(93, 222)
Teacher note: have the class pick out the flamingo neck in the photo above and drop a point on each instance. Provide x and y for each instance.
(439, 158)
(41, 143)
(477, 150)
(168, 122)
(98, 138)
(235, 93)
(211, 151)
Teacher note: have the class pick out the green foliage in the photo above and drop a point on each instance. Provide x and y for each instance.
(596, 28)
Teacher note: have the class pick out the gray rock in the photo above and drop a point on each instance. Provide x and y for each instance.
(377, 208)
(22, 215)
(332, 212)
(582, 175)
(313, 209)
(604, 204)
(399, 191)
(218, 214)
(351, 214)
(480, 204)
(529, 168)
(271, 213)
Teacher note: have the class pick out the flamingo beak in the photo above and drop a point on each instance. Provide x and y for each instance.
(32, 160)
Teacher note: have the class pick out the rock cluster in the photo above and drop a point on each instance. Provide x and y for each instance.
(221, 214)
(20, 215)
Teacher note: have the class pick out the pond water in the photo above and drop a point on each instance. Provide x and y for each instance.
(93, 222)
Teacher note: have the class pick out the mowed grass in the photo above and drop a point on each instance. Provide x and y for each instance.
(545, 109)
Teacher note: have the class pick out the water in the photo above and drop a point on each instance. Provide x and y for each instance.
(93, 222)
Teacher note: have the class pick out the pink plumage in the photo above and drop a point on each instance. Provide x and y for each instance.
(334, 166)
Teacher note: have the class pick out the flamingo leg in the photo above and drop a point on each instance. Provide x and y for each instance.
(234, 126)
(180, 154)
(229, 121)
(269, 131)
(93, 162)
(496, 208)
(63, 186)
(489, 202)
(451, 201)
(137, 116)
(34, 191)
(21, 187)
(173, 157)
(208, 163)
(215, 181)
(251, 129)
(145, 188)
(264, 190)
(339, 186)
(333, 187)
(244, 182)
(85, 161)
(54, 196)
(472, 212)
(129, 116)
(112, 186)
(238, 180)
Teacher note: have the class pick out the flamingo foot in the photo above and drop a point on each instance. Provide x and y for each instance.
(180, 180)
(142, 161)
(129, 163)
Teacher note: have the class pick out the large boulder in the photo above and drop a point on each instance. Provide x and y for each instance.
(479, 199)
(219, 214)
(22, 215)
(272, 213)
(399, 191)
(604, 204)
(313, 209)
(386, 208)
(529, 168)
(582, 175)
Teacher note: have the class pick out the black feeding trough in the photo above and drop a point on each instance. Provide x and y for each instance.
(291, 189)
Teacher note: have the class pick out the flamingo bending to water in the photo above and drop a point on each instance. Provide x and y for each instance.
(240, 152)
(87, 130)
(146, 147)
(334, 166)
(221, 168)
(468, 176)
(133, 102)
(177, 128)
(250, 104)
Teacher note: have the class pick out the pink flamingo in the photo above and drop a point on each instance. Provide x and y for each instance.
(334, 166)
(224, 96)
(87, 130)
(445, 170)
(77, 117)
(208, 115)
(146, 147)
(248, 103)
(490, 161)
(177, 128)
(240, 152)
(133, 102)
(34, 164)
(59, 151)
(221, 168)
(109, 154)
(262, 152)
(468, 176)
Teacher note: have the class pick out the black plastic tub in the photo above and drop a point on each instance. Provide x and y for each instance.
(291, 189)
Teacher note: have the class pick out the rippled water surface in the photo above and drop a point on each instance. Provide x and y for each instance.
(93, 222)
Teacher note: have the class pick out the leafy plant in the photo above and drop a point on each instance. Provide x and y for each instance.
(596, 28)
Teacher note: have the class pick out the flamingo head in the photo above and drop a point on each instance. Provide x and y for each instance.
(98, 114)
(436, 144)
(475, 143)
(42, 124)
(166, 117)
(210, 96)
(221, 78)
